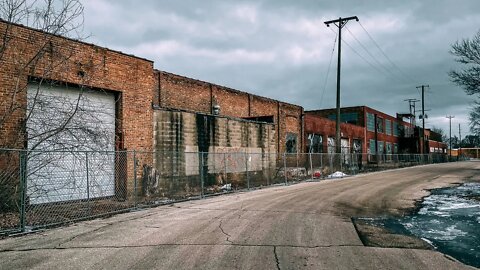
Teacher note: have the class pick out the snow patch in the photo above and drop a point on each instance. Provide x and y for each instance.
(337, 174)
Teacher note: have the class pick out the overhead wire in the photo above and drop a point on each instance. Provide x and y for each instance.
(328, 71)
(387, 70)
(359, 55)
(410, 78)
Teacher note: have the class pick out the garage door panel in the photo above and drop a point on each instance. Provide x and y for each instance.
(70, 132)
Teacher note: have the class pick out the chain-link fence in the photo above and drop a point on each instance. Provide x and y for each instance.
(47, 188)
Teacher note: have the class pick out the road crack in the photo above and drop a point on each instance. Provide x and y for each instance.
(276, 257)
(225, 233)
(173, 245)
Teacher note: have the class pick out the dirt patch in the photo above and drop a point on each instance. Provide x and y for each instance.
(376, 236)
(9, 221)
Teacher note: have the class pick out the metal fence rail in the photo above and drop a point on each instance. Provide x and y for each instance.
(47, 188)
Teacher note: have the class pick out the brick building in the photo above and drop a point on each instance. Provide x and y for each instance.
(391, 136)
(175, 92)
(62, 94)
(320, 135)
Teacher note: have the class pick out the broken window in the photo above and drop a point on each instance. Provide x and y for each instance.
(389, 148)
(331, 145)
(357, 146)
(291, 143)
(380, 125)
(315, 143)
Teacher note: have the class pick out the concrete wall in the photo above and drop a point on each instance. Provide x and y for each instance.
(178, 92)
(230, 146)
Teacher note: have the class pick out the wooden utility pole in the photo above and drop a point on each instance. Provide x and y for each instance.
(450, 140)
(340, 23)
(422, 140)
(411, 106)
(460, 140)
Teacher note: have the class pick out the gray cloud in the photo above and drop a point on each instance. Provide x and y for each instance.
(281, 49)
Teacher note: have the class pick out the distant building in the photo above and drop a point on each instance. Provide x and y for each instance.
(379, 132)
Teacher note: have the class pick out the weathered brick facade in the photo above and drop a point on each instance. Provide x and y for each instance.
(178, 92)
(315, 124)
(32, 54)
(404, 139)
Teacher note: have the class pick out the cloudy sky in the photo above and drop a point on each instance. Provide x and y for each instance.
(282, 49)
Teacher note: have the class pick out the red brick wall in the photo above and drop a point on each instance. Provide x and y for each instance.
(362, 122)
(232, 103)
(178, 92)
(130, 77)
(382, 136)
(326, 127)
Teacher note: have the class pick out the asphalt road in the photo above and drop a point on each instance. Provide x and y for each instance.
(307, 225)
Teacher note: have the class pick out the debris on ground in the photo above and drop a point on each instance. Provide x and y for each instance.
(226, 187)
(337, 174)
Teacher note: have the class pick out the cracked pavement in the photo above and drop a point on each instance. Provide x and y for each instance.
(307, 225)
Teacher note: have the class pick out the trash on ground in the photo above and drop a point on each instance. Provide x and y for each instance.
(337, 174)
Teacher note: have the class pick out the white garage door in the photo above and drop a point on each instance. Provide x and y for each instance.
(70, 131)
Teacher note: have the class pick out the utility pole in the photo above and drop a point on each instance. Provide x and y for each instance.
(450, 140)
(340, 23)
(422, 141)
(460, 140)
(411, 106)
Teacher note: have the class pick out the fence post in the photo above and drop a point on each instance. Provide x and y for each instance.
(246, 167)
(23, 189)
(341, 158)
(225, 165)
(296, 169)
(201, 175)
(134, 179)
(88, 184)
(285, 166)
(311, 165)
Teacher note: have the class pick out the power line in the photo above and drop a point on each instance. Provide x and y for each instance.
(388, 58)
(388, 70)
(328, 70)
(361, 56)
